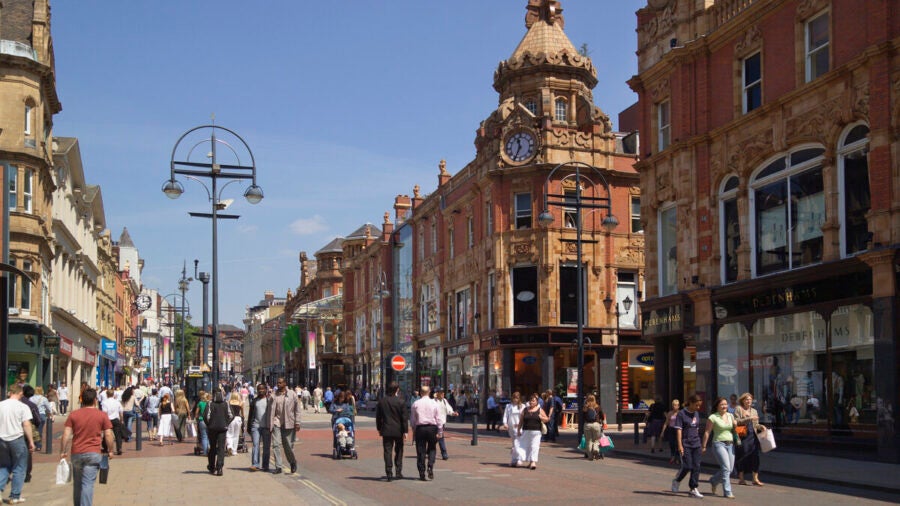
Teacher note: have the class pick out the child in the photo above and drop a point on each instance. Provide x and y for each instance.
(344, 438)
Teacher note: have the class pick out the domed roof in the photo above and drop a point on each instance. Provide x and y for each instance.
(545, 45)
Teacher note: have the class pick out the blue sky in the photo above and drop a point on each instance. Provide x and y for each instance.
(345, 104)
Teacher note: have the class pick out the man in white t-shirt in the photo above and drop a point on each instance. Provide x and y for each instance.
(17, 442)
(113, 409)
(63, 393)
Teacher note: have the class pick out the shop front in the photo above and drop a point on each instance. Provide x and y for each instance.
(26, 358)
(808, 352)
(106, 368)
(464, 369)
(667, 323)
(639, 377)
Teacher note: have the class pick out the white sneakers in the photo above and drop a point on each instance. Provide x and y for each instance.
(675, 485)
(695, 493)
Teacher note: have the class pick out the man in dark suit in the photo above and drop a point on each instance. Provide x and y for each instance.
(392, 422)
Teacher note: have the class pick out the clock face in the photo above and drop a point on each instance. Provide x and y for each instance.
(520, 146)
(143, 302)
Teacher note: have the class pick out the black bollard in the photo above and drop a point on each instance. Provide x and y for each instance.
(475, 429)
(48, 439)
(637, 434)
(137, 433)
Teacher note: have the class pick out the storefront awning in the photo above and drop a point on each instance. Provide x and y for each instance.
(329, 308)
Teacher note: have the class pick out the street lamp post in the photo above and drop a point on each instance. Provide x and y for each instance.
(203, 277)
(215, 171)
(626, 303)
(381, 292)
(185, 312)
(183, 285)
(580, 173)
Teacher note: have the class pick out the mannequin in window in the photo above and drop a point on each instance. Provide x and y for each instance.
(837, 385)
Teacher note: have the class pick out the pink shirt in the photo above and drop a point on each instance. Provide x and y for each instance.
(425, 411)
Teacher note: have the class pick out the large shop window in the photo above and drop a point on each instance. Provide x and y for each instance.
(784, 362)
(789, 211)
(855, 195)
(668, 251)
(525, 304)
(731, 229)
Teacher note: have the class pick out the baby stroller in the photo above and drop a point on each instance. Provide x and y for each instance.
(344, 444)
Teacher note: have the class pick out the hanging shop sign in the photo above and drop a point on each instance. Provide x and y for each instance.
(108, 349)
(65, 346)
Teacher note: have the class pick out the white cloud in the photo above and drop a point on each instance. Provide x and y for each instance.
(248, 229)
(309, 226)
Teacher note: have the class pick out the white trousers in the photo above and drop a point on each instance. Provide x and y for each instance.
(531, 444)
(516, 454)
(233, 434)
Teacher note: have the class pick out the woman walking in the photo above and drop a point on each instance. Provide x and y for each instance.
(593, 428)
(182, 410)
(529, 430)
(233, 435)
(687, 435)
(511, 417)
(655, 420)
(199, 414)
(166, 422)
(721, 425)
(669, 433)
(153, 413)
(747, 454)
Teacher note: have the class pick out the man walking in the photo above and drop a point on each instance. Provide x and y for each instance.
(445, 410)
(329, 398)
(63, 393)
(113, 409)
(392, 423)
(16, 443)
(317, 398)
(284, 419)
(260, 431)
(426, 421)
(81, 441)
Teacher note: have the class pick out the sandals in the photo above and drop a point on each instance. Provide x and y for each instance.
(758, 483)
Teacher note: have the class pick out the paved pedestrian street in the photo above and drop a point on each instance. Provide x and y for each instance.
(473, 475)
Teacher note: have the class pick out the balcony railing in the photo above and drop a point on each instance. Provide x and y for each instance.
(724, 10)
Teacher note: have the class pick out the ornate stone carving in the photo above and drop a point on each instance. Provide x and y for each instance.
(571, 247)
(548, 269)
(755, 147)
(521, 248)
(751, 41)
(807, 8)
(812, 123)
(661, 90)
(546, 10)
(861, 100)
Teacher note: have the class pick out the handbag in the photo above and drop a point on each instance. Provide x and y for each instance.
(63, 472)
(543, 428)
(582, 444)
(741, 431)
(606, 444)
(104, 468)
(766, 440)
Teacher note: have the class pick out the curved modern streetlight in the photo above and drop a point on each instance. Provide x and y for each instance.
(185, 313)
(579, 172)
(215, 171)
(380, 292)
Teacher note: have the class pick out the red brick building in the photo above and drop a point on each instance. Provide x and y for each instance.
(768, 182)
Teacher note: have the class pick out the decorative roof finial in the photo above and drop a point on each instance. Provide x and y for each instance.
(443, 167)
(416, 191)
(549, 11)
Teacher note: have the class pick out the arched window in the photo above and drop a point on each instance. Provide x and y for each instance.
(729, 229)
(561, 110)
(788, 202)
(853, 177)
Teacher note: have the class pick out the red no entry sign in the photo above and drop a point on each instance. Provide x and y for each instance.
(398, 363)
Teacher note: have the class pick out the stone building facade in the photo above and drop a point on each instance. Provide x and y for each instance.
(28, 101)
(769, 187)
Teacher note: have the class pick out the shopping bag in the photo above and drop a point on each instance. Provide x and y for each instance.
(104, 468)
(766, 440)
(63, 472)
(582, 444)
(606, 444)
(192, 429)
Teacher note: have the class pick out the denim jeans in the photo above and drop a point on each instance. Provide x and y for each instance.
(725, 457)
(17, 456)
(262, 443)
(203, 436)
(85, 467)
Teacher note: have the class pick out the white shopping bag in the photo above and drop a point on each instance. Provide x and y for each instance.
(191, 429)
(766, 440)
(63, 472)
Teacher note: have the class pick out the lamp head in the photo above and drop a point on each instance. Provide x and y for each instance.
(254, 194)
(627, 303)
(610, 222)
(545, 219)
(172, 189)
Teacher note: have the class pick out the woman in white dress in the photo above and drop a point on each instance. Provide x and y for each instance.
(511, 423)
(166, 422)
